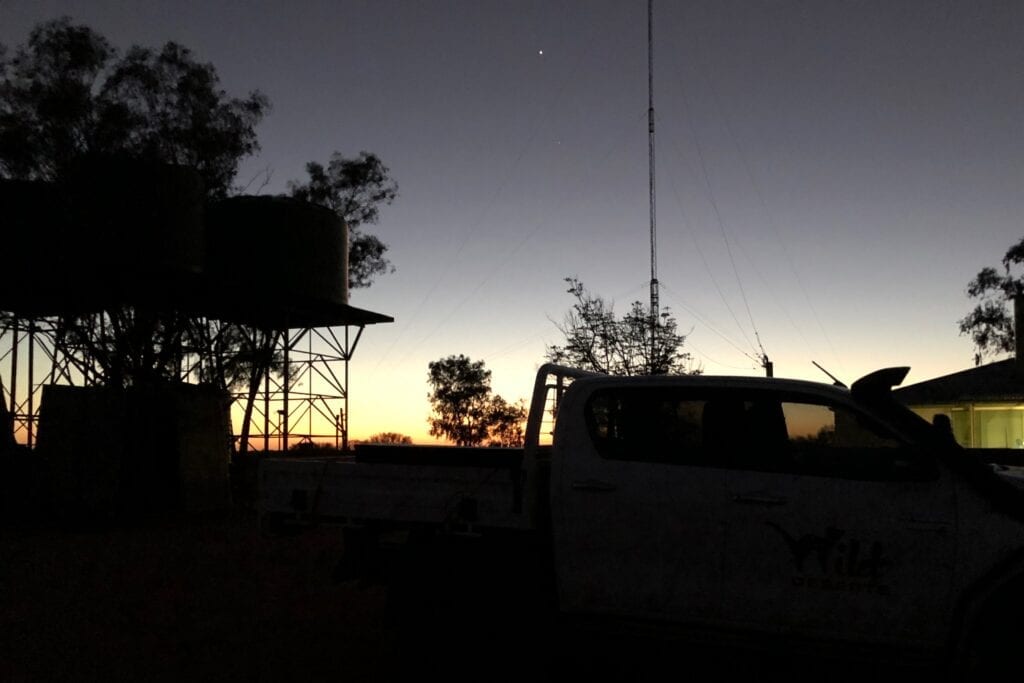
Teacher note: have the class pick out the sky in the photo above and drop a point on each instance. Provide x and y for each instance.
(830, 175)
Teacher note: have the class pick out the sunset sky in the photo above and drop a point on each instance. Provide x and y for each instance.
(830, 174)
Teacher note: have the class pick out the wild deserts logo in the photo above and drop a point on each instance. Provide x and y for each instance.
(845, 564)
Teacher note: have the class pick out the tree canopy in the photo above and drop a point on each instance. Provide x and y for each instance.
(48, 102)
(596, 339)
(990, 324)
(465, 410)
(354, 189)
(170, 107)
(67, 95)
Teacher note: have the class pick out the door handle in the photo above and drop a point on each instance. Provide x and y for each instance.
(593, 485)
(758, 499)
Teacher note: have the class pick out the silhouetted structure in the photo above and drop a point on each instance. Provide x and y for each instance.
(985, 404)
(257, 284)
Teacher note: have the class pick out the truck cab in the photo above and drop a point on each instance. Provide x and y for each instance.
(775, 508)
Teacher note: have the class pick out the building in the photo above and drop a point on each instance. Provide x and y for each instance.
(984, 404)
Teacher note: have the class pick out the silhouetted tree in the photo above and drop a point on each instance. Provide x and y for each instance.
(310, 446)
(390, 438)
(506, 422)
(66, 96)
(597, 340)
(355, 189)
(465, 411)
(233, 351)
(48, 102)
(168, 107)
(990, 324)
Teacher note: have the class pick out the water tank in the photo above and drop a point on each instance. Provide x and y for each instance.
(278, 251)
(34, 224)
(110, 232)
(138, 226)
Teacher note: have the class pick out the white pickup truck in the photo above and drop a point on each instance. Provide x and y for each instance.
(779, 511)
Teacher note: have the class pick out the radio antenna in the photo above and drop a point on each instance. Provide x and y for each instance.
(835, 380)
(654, 312)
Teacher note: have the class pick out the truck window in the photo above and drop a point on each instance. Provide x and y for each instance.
(651, 426)
(835, 441)
(754, 430)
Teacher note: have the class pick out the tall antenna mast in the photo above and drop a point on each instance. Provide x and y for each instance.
(655, 313)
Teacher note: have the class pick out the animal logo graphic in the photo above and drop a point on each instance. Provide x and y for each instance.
(836, 554)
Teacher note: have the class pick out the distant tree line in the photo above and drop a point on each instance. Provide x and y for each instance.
(389, 439)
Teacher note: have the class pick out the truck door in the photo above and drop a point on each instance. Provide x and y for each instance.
(637, 530)
(839, 531)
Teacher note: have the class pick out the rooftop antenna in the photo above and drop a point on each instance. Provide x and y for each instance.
(835, 380)
(654, 312)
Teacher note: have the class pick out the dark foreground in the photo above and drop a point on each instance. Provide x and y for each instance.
(219, 600)
(182, 601)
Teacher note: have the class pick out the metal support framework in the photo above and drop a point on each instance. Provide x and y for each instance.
(305, 390)
(132, 322)
(297, 388)
(32, 355)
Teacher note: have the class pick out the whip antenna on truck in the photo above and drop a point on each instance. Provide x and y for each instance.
(835, 380)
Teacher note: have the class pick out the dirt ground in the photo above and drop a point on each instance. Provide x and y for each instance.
(186, 600)
(218, 599)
